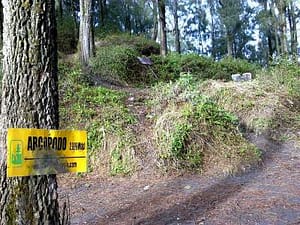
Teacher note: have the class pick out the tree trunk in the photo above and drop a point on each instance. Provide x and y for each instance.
(198, 15)
(163, 28)
(59, 8)
(85, 33)
(213, 32)
(127, 19)
(293, 28)
(1, 22)
(92, 39)
(74, 14)
(29, 100)
(176, 28)
(282, 26)
(229, 39)
(102, 13)
(155, 21)
(275, 28)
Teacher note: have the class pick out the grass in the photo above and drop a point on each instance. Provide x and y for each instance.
(103, 114)
(197, 120)
(193, 132)
(269, 104)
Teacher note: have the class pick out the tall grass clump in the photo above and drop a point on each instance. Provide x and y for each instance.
(193, 133)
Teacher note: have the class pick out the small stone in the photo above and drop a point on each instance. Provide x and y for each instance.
(146, 188)
(131, 99)
(87, 185)
(188, 187)
(236, 77)
(246, 77)
(241, 77)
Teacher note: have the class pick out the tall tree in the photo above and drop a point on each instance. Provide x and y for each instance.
(163, 27)
(102, 5)
(213, 11)
(85, 32)
(155, 20)
(29, 100)
(195, 26)
(230, 11)
(281, 6)
(176, 28)
(293, 27)
(1, 22)
(275, 27)
(59, 8)
(265, 23)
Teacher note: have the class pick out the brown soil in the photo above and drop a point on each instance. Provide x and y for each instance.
(266, 195)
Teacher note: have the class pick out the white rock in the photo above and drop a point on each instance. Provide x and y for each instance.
(146, 188)
(236, 77)
(131, 99)
(187, 187)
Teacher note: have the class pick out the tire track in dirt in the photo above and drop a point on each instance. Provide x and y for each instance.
(266, 195)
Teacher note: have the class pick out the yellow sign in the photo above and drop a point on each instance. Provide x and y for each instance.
(40, 152)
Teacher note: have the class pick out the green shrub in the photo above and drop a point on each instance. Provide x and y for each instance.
(227, 66)
(120, 63)
(170, 67)
(286, 74)
(167, 68)
(142, 45)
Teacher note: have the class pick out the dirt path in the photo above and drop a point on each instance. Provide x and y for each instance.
(267, 195)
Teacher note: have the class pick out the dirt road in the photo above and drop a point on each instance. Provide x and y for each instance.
(268, 195)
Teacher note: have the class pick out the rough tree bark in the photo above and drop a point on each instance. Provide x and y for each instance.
(85, 32)
(29, 100)
(102, 13)
(176, 28)
(1, 22)
(281, 6)
(212, 10)
(163, 28)
(229, 40)
(155, 21)
(293, 28)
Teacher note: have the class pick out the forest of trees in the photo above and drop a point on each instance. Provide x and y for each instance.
(257, 30)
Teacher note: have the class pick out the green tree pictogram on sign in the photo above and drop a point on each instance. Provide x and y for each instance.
(16, 155)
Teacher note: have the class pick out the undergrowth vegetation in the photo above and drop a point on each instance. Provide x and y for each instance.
(170, 67)
(269, 104)
(197, 121)
(117, 59)
(193, 132)
(103, 114)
